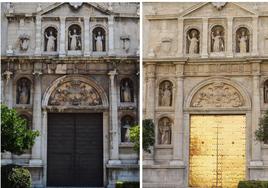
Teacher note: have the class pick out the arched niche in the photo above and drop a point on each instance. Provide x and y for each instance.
(74, 37)
(217, 39)
(242, 37)
(165, 93)
(164, 135)
(265, 91)
(99, 39)
(23, 91)
(127, 122)
(126, 90)
(193, 41)
(73, 92)
(50, 39)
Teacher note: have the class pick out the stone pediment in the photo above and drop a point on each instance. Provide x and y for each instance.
(217, 9)
(75, 9)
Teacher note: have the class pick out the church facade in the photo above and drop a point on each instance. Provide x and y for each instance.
(205, 87)
(72, 70)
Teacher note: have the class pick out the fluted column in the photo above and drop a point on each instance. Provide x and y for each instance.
(255, 22)
(150, 95)
(205, 38)
(177, 132)
(37, 118)
(38, 36)
(180, 37)
(87, 37)
(62, 51)
(114, 147)
(229, 37)
(111, 34)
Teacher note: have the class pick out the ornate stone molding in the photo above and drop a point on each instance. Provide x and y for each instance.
(218, 94)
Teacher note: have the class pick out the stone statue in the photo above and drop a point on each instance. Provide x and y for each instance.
(164, 131)
(23, 92)
(75, 43)
(126, 127)
(24, 41)
(126, 92)
(243, 42)
(99, 39)
(193, 43)
(217, 39)
(50, 42)
(166, 95)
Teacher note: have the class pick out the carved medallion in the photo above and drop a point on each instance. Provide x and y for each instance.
(217, 94)
(75, 93)
(219, 5)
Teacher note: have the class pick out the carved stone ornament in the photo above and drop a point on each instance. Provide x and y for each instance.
(76, 5)
(217, 94)
(74, 93)
(218, 5)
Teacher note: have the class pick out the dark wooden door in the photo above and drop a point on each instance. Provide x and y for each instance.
(75, 150)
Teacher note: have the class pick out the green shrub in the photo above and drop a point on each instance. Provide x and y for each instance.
(127, 184)
(253, 184)
(19, 178)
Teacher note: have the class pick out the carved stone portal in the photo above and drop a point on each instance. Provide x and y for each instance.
(217, 94)
(74, 93)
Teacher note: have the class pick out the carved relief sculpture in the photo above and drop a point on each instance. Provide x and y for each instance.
(126, 123)
(126, 42)
(164, 131)
(217, 39)
(242, 40)
(74, 37)
(193, 41)
(24, 41)
(23, 91)
(217, 94)
(165, 93)
(98, 39)
(126, 90)
(50, 39)
(75, 93)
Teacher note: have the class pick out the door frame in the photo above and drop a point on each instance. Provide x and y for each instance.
(187, 122)
(105, 122)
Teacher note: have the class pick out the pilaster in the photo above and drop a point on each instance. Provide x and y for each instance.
(38, 36)
(204, 51)
(229, 37)
(150, 95)
(111, 35)
(180, 37)
(87, 51)
(255, 27)
(62, 52)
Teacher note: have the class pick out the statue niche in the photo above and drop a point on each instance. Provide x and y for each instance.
(98, 39)
(164, 131)
(50, 39)
(126, 123)
(29, 126)
(126, 90)
(265, 91)
(74, 37)
(23, 91)
(165, 93)
(217, 39)
(242, 40)
(192, 44)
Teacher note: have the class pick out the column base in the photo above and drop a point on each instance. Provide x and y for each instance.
(35, 162)
(176, 163)
(114, 162)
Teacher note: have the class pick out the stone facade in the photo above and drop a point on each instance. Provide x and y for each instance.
(75, 58)
(214, 58)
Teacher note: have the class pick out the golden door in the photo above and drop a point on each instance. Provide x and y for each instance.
(217, 151)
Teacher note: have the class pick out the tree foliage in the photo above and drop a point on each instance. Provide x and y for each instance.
(135, 137)
(148, 135)
(16, 137)
(262, 132)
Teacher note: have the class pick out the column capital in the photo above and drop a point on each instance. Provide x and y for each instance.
(62, 18)
(8, 74)
(112, 74)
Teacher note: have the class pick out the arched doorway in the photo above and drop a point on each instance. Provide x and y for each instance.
(77, 127)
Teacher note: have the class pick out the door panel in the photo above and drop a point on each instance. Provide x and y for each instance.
(217, 150)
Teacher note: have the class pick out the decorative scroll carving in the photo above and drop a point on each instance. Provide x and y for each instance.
(75, 93)
(217, 94)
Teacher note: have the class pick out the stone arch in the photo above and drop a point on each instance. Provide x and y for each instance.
(218, 93)
(84, 85)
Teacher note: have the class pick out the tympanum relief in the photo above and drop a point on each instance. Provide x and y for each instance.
(165, 93)
(23, 91)
(50, 41)
(126, 123)
(164, 131)
(75, 93)
(242, 40)
(217, 94)
(74, 38)
(217, 39)
(193, 42)
(126, 90)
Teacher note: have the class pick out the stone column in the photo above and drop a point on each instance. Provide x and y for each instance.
(180, 37)
(38, 36)
(229, 37)
(87, 38)
(8, 88)
(255, 36)
(256, 114)
(205, 33)
(62, 51)
(150, 95)
(177, 132)
(111, 35)
(37, 117)
(114, 147)
(44, 146)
